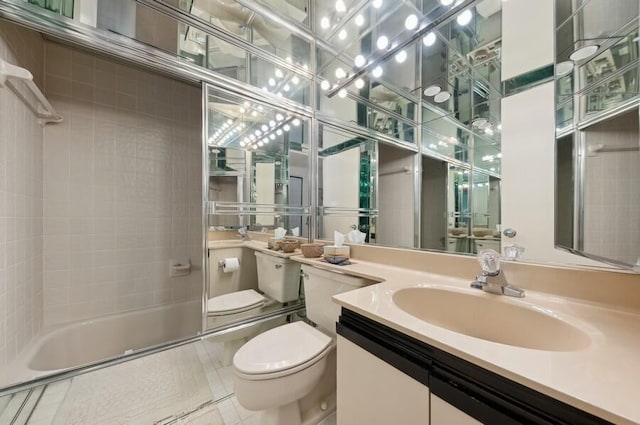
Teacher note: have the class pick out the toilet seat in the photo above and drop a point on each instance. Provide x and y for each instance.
(281, 351)
(234, 302)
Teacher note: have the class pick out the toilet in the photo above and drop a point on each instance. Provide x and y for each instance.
(288, 373)
(278, 279)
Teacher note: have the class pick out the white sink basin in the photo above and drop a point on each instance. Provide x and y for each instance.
(490, 317)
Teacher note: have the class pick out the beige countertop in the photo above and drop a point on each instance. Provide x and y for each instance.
(602, 379)
(255, 245)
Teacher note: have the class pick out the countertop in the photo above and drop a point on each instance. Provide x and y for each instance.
(255, 245)
(602, 379)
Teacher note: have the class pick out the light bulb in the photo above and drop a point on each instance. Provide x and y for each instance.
(342, 34)
(342, 93)
(382, 42)
(242, 110)
(260, 143)
(411, 22)
(325, 85)
(359, 61)
(340, 73)
(340, 6)
(279, 73)
(359, 20)
(286, 87)
(286, 127)
(279, 117)
(359, 83)
(401, 56)
(325, 23)
(279, 132)
(465, 17)
(229, 122)
(272, 82)
(295, 80)
(272, 136)
(446, 2)
(429, 39)
(254, 113)
(296, 122)
(272, 123)
(376, 3)
(377, 72)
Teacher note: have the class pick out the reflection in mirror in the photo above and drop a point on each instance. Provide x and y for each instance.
(347, 169)
(597, 147)
(187, 384)
(458, 215)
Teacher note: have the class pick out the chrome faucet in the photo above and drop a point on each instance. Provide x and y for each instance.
(492, 278)
(243, 234)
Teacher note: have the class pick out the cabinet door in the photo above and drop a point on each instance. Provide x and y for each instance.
(372, 392)
(442, 413)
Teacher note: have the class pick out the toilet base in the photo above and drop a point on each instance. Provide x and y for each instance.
(283, 415)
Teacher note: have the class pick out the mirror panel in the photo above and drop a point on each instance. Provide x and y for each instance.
(597, 130)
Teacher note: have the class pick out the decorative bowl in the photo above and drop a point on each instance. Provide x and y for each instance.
(312, 250)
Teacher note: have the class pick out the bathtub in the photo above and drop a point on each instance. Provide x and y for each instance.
(80, 343)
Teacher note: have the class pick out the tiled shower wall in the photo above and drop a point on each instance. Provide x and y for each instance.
(21, 204)
(122, 191)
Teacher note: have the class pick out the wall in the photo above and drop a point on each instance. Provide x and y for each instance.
(21, 313)
(395, 224)
(122, 192)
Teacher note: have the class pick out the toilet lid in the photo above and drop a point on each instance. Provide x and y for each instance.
(281, 348)
(234, 302)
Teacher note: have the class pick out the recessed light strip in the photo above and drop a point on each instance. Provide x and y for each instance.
(422, 31)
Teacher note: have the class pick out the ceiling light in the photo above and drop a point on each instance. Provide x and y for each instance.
(401, 56)
(377, 72)
(288, 59)
(279, 117)
(286, 87)
(359, 61)
(257, 132)
(340, 73)
(429, 39)
(411, 22)
(279, 94)
(243, 143)
(432, 90)
(382, 42)
(377, 4)
(279, 132)
(272, 123)
(286, 127)
(272, 136)
(242, 110)
(246, 104)
(254, 147)
(260, 143)
(279, 73)
(342, 34)
(325, 85)
(325, 23)
(584, 52)
(342, 93)
(443, 96)
(359, 83)
(446, 2)
(254, 113)
(359, 20)
(272, 82)
(465, 17)
(295, 80)
(340, 6)
(296, 122)
(229, 122)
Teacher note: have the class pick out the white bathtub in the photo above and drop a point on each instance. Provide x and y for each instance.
(79, 343)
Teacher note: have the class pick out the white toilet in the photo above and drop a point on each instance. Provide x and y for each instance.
(288, 373)
(278, 279)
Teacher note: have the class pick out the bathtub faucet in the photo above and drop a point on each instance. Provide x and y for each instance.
(492, 278)
(243, 234)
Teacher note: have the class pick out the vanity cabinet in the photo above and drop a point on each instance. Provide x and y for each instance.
(372, 392)
(385, 376)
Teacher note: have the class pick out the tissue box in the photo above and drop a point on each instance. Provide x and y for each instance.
(332, 250)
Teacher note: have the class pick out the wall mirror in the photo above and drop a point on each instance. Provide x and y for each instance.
(258, 180)
(597, 148)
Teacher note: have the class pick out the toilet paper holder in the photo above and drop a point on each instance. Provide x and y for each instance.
(221, 264)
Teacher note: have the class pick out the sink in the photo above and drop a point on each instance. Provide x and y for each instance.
(491, 317)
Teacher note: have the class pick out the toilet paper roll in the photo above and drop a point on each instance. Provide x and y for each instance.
(230, 265)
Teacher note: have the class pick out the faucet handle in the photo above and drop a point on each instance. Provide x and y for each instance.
(489, 261)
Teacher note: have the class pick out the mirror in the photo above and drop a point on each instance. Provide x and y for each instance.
(597, 147)
(258, 181)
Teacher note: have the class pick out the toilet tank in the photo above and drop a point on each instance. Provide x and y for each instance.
(278, 278)
(319, 287)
